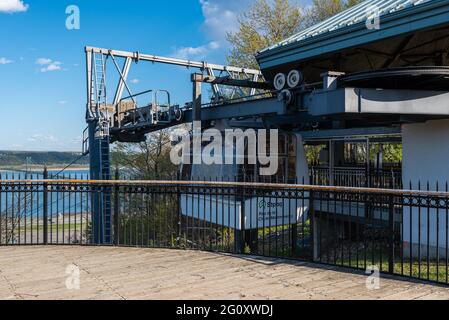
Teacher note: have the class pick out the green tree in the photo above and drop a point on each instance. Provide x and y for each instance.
(149, 160)
(265, 23)
(323, 9)
(268, 22)
(392, 152)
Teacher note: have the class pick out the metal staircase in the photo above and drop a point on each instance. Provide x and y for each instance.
(98, 81)
(100, 90)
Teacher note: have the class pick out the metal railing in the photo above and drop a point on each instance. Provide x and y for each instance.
(401, 232)
(357, 177)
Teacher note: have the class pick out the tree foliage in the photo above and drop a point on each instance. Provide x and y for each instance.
(265, 23)
(269, 22)
(149, 160)
(323, 9)
(392, 152)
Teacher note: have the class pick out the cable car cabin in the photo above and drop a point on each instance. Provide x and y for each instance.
(259, 211)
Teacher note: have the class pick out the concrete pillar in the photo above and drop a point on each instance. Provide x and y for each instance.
(425, 160)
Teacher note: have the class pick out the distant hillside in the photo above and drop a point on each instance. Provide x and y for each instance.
(19, 158)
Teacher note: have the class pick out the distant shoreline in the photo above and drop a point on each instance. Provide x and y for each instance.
(41, 169)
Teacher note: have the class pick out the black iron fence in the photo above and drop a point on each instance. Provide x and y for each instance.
(357, 177)
(399, 232)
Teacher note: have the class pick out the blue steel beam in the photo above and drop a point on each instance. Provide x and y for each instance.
(253, 108)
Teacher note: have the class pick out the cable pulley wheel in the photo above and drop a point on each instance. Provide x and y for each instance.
(179, 115)
(279, 81)
(294, 79)
(285, 96)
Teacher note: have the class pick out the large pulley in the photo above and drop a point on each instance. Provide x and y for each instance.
(293, 80)
(284, 84)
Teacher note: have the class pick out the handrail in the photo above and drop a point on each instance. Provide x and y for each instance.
(273, 186)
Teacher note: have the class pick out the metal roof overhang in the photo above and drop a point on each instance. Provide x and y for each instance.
(427, 16)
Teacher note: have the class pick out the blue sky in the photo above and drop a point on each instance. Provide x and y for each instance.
(42, 66)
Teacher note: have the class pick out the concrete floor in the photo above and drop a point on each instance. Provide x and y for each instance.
(128, 273)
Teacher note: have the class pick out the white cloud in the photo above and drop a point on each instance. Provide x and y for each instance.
(221, 16)
(77, 140)
(135, 81)
(54, 66)
(39, 137)
(62, 102)
(196, 53)
(11, 6)
(48, 65)
(43, 61)
(5, 61)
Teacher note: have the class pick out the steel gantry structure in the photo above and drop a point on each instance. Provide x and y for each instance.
(122, 119)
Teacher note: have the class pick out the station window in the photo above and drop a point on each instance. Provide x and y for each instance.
(286, 172)
(248, 172)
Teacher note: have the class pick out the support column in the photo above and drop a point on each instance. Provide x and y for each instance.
(339, 146)
(45, 207)
(368, 163)
(100, 197)
(425, 160)
(196, 101)
(314, 229)
(339, 153)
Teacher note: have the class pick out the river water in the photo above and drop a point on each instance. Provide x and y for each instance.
(53, 174)
(29, 203)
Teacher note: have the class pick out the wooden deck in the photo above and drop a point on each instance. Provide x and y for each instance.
(128, 273)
